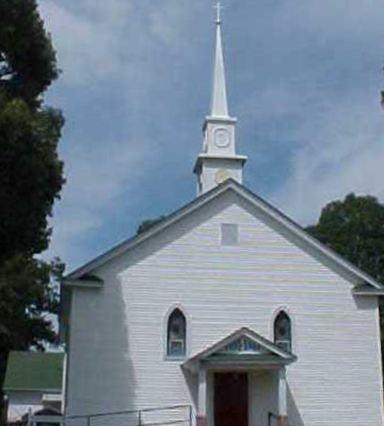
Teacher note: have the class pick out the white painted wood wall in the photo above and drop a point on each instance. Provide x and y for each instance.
(117, 346)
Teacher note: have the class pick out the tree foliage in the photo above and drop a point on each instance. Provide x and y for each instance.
(31, 177)
(148, 224)
(29, 295)
(27, 58)
(354, 228)
(28, 288)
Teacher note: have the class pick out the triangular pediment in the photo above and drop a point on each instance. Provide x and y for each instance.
(282, 223)
(242, 346)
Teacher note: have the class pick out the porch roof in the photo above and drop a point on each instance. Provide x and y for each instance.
(34, 371)
(243, 348)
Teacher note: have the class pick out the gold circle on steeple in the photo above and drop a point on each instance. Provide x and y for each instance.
(221, 176)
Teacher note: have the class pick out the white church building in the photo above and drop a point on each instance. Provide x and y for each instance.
(226, 313)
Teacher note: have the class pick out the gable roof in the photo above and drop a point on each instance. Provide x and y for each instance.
(75, 277)
(34, 371)
(264, 351)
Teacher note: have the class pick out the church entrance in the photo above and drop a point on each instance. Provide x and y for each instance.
(231, 399)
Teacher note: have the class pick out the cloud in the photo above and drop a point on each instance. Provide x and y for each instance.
(88, 37)
(341, 150)
(331, 20)
(110, 53)
(315, 103)
(303, 81)
(95, 185)
(98, 40)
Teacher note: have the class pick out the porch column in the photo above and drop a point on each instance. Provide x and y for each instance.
(201, 418)
(282, 413)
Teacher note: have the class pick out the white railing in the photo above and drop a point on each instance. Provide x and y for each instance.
(36, 420)
(161, 416)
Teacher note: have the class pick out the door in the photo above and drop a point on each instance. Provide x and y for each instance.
(231, 399)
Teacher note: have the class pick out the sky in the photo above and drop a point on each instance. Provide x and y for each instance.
(303, 79)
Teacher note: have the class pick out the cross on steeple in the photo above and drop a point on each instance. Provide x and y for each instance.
(218, 161)
(218, 8)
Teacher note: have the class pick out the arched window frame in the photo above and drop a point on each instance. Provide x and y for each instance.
(288, 313)
(167, 355)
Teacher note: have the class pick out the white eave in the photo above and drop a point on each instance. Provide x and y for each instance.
(52, 397)
(242, 159)
(362, 278)
(85, 283)
(367, 290)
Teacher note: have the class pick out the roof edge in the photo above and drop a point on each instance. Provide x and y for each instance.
(265, 207)
(47, 390)
(244, 331)
(366, 290)
(137, 239)
(302, 233)
(67, 282)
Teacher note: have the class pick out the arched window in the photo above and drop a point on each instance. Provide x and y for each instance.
(176, 334)
(283, 331)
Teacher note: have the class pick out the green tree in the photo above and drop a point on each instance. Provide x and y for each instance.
(31, 177)
(28, 296)
(354, 227)
(30, 171)
(27, 58)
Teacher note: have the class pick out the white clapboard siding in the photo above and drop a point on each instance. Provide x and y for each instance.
(118, 332)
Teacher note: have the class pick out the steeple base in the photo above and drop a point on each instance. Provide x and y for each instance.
(212, 170)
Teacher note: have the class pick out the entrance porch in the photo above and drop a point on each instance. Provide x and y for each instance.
(241, 381)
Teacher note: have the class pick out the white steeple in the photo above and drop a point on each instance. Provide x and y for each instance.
(218, 160)
(219, 105)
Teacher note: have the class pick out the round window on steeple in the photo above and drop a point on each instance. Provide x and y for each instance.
(221, 137)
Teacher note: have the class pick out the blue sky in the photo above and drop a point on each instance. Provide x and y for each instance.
(303, 80)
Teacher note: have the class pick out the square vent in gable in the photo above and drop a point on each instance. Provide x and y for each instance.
(229, 234)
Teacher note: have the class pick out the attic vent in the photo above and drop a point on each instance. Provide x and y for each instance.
(229, 234)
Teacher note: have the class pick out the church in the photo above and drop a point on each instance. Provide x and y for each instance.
(225, 313)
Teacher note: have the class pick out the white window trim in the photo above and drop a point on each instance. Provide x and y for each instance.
(166, 316)
(275, 313)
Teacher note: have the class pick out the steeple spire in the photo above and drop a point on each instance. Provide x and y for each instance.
(219, 106)
(218, 8)
(218, 160)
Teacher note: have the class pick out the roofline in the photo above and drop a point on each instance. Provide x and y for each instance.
(137, 239)
(213, 119)
(365, 290)
(67, 282)
(31, 353)
(377, 293)
(47, 390)
(242, 159)
(205, 198)
(301, 232)
(287, 357)
(241, 331)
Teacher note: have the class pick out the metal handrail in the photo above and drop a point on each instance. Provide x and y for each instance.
(175, 422)
(139, 413)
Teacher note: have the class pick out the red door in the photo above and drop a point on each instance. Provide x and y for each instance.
(231, 399)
